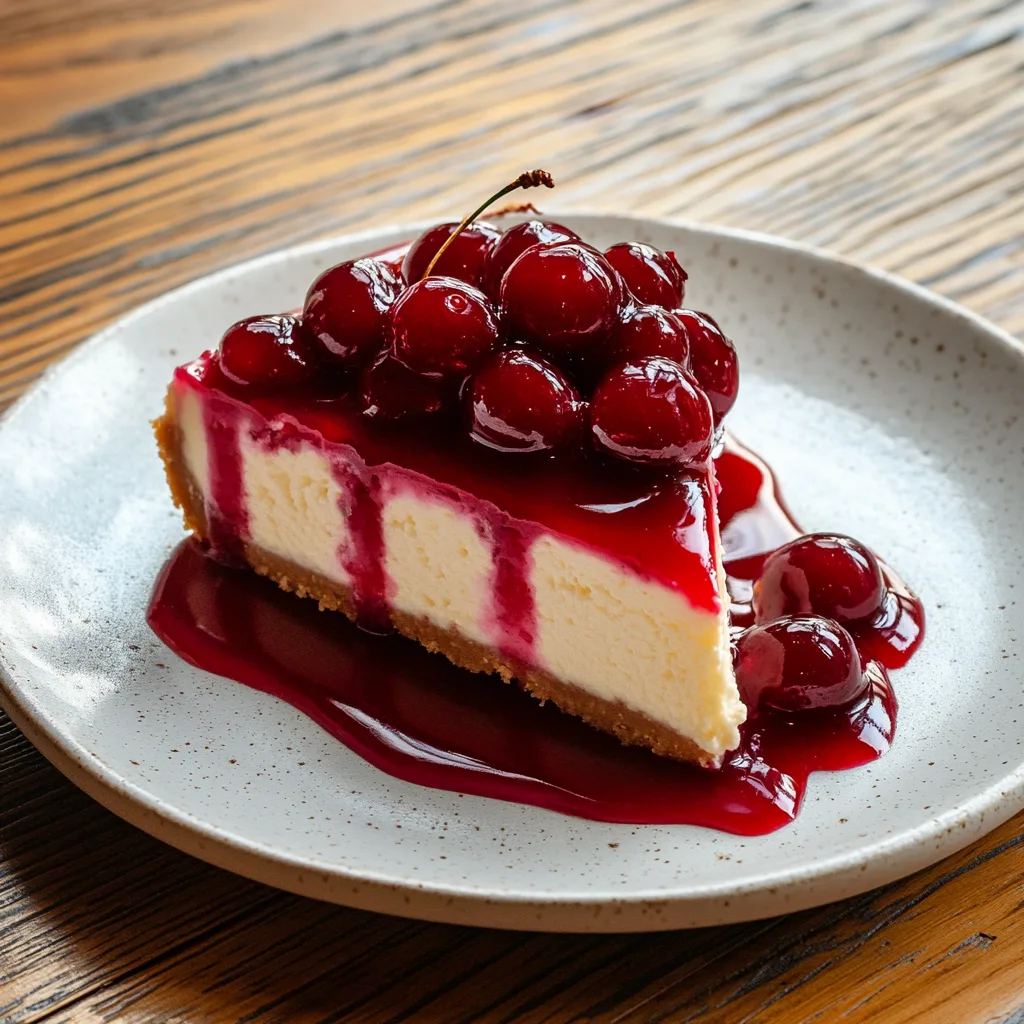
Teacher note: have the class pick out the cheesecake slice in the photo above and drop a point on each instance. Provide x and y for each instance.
(596, 586)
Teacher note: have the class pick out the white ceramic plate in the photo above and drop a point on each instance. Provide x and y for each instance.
(888, 413)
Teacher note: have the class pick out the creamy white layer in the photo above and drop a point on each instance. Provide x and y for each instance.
(599, 626)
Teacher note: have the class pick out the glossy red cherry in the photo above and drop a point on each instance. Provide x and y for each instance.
(652, 411)
(390, 391)
(798, 663)
(463, 259)
(713, 360)
(519, 402)
(267, 352)
(653, 277)
(346, 307)
(514, 242)
(442, 327)
(820, 574)
(648, 331)
(564, 299)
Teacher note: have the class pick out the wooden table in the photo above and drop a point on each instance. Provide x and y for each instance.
(146, 142)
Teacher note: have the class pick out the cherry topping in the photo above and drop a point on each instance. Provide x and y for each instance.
(516, 241)
(519, 402)
(713, 360)
(649, 331)
(463, 259)
(267, 352)
(797, 663)
(562, 298)
(653, 277)
(345, 310)
(390, 391)
(442, 327)
(822, 574)
(652, 411)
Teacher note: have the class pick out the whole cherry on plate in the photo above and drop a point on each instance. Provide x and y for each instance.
(345, 310)
(648, 331)
(713, 360)
(820, 574)
(515, 241)
(563, 299)
(797, 663)
(653, 277)
(519, 402)
(389, 391)
(651, 411)
(442, 327)
(464, 258)
(267, 352)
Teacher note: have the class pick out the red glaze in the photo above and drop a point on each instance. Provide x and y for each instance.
(798, 662)
(419, 718)
(516, 241)
(227, 518)
(820, 574)
(564, 299)
(649, 331)
(519, 402)
(390, 391)
(713, 360)
(658, 522)
(463, 259)
(267, 352)
(442, 327)
(346, 307)
(653, 277)
(651, 411)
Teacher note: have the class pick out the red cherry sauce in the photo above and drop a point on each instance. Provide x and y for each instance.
(419, 718)
(227, 517)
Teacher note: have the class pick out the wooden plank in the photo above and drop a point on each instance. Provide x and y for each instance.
(146, 142)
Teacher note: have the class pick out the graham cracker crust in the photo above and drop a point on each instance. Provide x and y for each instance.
(631, 727)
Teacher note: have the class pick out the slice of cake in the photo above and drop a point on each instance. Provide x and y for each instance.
(504, 455)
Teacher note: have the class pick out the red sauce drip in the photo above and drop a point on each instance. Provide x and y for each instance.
(363, 558)
(637, 516)
(417, 717)
(226, 514)
(513, 595)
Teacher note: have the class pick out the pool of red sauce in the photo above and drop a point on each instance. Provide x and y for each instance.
(419, 718)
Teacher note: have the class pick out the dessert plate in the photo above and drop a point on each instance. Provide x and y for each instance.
(887, 413)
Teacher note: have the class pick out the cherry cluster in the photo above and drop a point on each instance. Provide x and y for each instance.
(801, 654)
(540, 341)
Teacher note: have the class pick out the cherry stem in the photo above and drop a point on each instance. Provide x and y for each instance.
(528, 179)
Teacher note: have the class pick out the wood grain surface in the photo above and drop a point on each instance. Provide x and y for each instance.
(146, 142)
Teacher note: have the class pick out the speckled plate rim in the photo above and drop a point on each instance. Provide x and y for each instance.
(775, 892)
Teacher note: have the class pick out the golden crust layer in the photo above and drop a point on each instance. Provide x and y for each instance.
(629, 726)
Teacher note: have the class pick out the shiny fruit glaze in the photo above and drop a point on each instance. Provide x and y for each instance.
(798, 662)
(464, 258)
(656, 521)
(388, 391)
(650, 410)
(648, 331)
(442, 327)
(563, 299)
(267, 353)
(345, 311)
(417, 717)
(820, 574)
(519, 402)
(713, 360)
(653, 277)
(514, 242)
